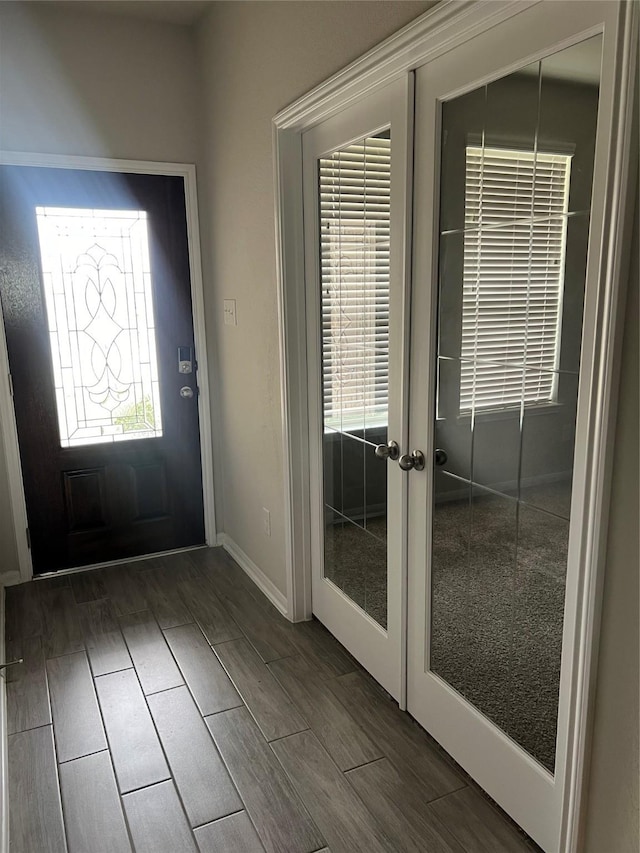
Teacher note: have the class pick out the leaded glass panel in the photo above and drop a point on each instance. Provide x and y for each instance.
(97, 283)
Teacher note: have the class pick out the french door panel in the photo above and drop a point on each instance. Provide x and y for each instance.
(506, 201)
(96, 303)
(356, 171)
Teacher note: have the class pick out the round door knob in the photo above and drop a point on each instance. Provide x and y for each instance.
(388, 451)
(440, 456)
(186, 392)
(411, 461)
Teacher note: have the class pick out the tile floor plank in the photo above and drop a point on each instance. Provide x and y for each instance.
(23, 613)
(103, 638)
(200, 776)
(322, 650)
(125, 589)
(272, 709)
(393, 731)
(209, 612)
(233, 834)
(35, 817)
(27, 694)
(61, 629)
(334, 806)
(152, 659)
(77, 725)
(268, 630)
(157, 822)
(178, 567)
(401, 809)
(208, 682)
(88, 586)
(163, 599)
(330, 721)
(282, 822)
(477, 824)
(137, 756)
(92, 811)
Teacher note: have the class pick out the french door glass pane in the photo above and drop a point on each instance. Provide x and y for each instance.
(517, 165)
(97, 285)
(354, 191)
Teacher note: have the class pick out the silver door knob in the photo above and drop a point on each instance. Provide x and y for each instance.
(186, 392)
(413, 460)
(391, 450)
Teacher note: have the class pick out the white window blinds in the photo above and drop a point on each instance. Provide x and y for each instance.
(354, 188)
(514, 247)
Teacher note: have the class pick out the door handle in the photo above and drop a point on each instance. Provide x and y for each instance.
(11, 663)
(391, 450)
(440, 456)
(412, 461)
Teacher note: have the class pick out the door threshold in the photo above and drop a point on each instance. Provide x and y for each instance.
(75, 569)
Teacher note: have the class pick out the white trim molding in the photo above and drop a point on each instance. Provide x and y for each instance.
(266, 586)
(187, 172)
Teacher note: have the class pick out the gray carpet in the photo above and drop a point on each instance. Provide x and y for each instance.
(497, 608)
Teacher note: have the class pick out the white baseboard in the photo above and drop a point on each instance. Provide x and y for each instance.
(4, 772)
(256, 574)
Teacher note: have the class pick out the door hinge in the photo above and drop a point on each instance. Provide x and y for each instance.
(10, 383)
(28, 532)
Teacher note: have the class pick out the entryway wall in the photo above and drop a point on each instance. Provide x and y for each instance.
(75, 83)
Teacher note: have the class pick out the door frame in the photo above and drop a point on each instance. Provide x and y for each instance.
(187, 172)
(450, 24)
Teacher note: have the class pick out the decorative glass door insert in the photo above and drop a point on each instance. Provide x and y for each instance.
(97, 285)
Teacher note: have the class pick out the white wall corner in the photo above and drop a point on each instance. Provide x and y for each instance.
(264, 584)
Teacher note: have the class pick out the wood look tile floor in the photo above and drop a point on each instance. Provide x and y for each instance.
(167, 706)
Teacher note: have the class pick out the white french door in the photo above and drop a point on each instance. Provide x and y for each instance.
(456, 489)
(356, 170)
(508, 210)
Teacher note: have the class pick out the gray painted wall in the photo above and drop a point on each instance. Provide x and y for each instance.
(257, 58)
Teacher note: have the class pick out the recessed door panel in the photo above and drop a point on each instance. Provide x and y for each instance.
(85, 499)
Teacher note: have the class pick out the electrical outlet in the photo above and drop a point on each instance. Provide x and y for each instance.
(230, 318)
(266, 521)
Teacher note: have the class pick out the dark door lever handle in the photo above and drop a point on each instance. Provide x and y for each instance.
(440, 456)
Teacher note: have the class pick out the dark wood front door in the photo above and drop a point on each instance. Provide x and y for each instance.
(95, 288)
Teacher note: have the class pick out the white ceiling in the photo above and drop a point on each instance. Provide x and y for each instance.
(183, 12)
